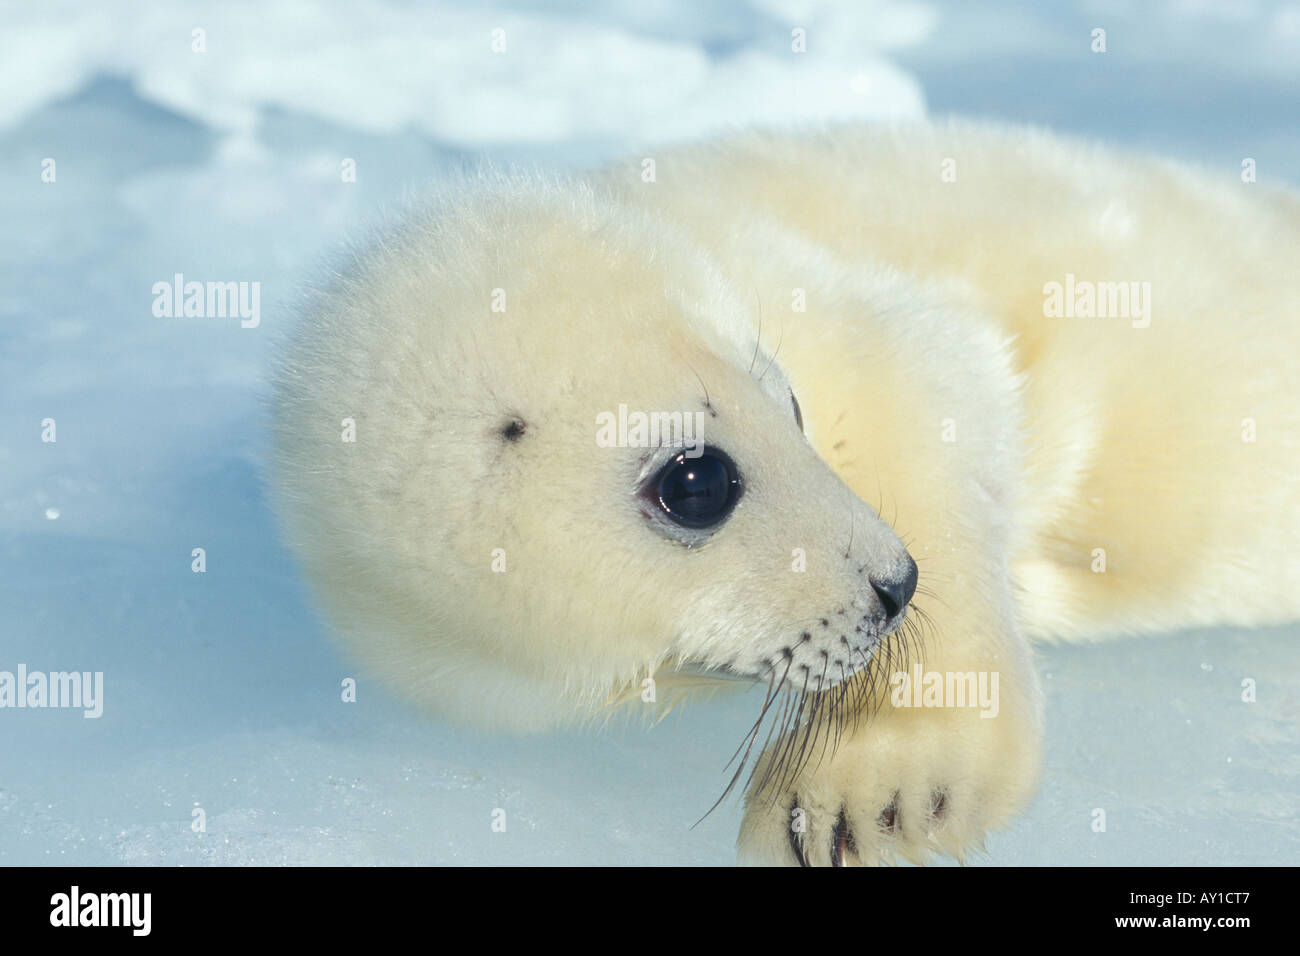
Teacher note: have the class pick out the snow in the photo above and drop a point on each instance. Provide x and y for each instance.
(463, 73)
(222, 690)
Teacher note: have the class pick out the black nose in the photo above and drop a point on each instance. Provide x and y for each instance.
(895, 591)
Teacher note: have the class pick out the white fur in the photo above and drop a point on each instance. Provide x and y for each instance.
(924, 322)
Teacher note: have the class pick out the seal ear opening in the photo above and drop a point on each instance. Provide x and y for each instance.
(513, 430)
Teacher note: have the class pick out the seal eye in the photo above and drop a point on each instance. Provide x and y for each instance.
(798, 415)
(698, 492)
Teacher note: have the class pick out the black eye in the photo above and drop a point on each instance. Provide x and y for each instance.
(698, 492)
(798, 415)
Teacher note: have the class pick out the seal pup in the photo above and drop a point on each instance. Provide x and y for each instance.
(912, 455)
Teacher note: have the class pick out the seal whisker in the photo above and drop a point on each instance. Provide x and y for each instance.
(772, 361)
(774, 689)
(759, 340)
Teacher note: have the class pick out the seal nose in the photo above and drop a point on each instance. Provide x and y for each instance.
(894, 592)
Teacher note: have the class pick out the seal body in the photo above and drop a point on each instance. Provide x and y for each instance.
(1061, 381)
(1149, 308)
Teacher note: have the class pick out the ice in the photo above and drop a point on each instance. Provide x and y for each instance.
(222, 690)
(464, 73)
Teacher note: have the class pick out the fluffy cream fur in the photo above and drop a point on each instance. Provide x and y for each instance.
(1007, 450)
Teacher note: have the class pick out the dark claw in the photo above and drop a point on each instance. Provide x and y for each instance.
(796, 844)
(890, 818)
(938, 803)
(841, 841)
